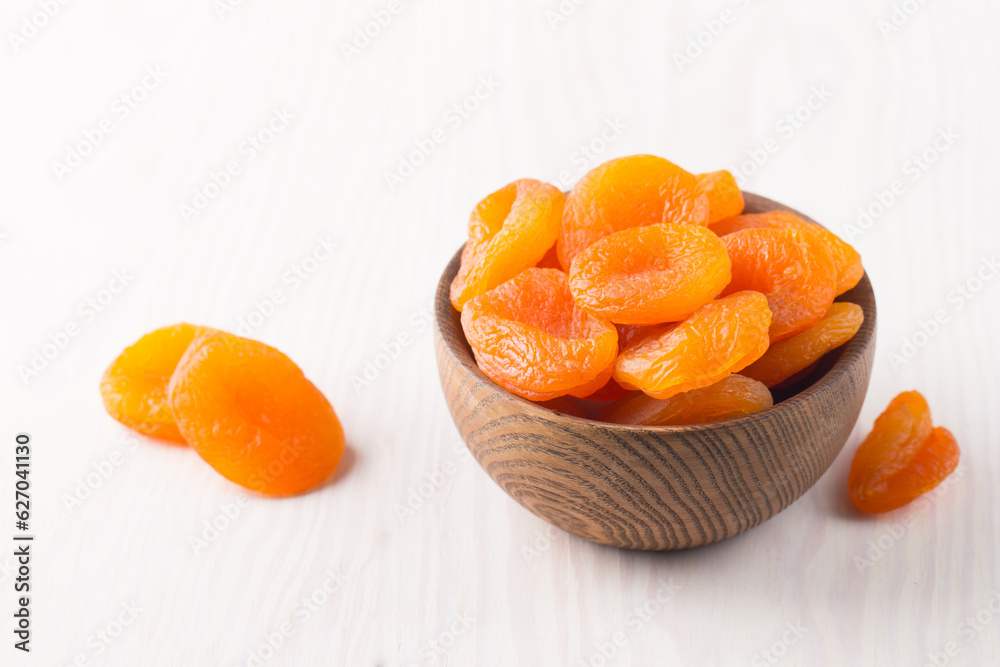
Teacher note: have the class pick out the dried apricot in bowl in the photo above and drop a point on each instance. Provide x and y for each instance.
(650, 275)
(731, 397)
(627, 192)
(846, 259)
(903, 457)
(509, 231)
(724, 197)
(134, 387)
(719, 339)
(794, 271)
(248, 410)
(529, 337)
(785, 359)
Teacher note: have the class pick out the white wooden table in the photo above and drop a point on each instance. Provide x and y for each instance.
(195, 161)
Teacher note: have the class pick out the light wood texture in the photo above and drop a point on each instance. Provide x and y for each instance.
(527, 593)
(655, 488)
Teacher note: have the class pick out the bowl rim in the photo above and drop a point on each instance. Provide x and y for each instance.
(850, 352)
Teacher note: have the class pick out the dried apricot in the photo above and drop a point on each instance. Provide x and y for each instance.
(529, 337)
(731, 397)
(902, 458)
(724, 196)
(509, 231)
(650, 275)
(795, 273)
(786, 358)
(845, 258)
(134, 387)
(550, 260)
(612, 390)
(719, 339)
(628, 192)
(248, 410)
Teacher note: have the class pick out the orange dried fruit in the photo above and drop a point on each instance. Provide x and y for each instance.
(509, 231)
(845, 258)
(731, 397)
(794, 272)
(721, 338)
(550, 260)
(628, 192)
(249, 412)
(529, 337)
(902, 458)
(724, 196)
(785, 359)
(650, 275)
(134, 387)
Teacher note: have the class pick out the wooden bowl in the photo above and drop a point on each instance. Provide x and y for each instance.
(655, 487)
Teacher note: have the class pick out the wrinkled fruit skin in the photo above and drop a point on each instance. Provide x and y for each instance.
(729, 398)
(529, 337)
(785, 359)
(794, 272)
(134, 387)
(902, 458)
(509, 231)
(846, 260)
(650, 275)
(725, 199)
(251, 414)
(719, 339)
(628, 192)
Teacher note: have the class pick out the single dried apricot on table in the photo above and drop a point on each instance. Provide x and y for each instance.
(846, 259)
(731, 397)
(719, 339)
(529, 337)
(724, 196)
(902, 458)
(788, 266)
(792, 355)
(650, 275)
(134, 387)
(509, 231)
(248, 410)
(628, 192)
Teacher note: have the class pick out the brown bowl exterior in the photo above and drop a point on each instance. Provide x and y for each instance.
(655, 488)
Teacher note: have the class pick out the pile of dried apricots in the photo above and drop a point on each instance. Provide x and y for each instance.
(243, 406)
(648, 287)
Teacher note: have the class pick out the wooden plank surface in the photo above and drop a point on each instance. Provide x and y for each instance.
(283, 137)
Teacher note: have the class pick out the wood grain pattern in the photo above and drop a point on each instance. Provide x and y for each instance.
(654, 488)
